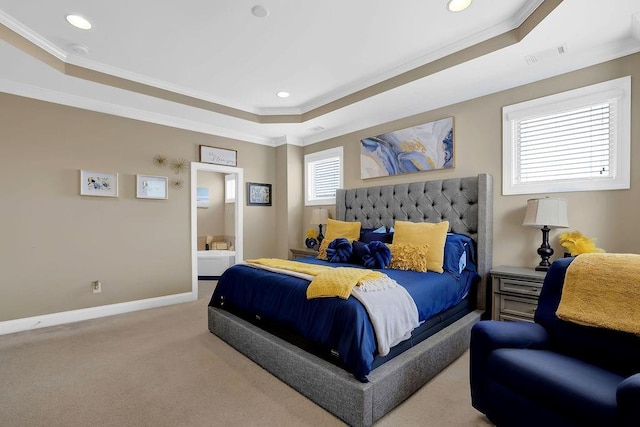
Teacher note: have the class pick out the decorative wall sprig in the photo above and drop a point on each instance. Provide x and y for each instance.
(159, 160)
(179, 165)
(177, 184)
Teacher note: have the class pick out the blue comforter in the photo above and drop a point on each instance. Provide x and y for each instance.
(335, 324)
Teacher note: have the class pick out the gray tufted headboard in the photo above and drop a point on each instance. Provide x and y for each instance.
(467, 203)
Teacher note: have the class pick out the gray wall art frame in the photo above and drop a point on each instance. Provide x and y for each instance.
(425, 147)
(258, 194)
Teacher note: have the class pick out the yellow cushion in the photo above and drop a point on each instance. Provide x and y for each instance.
(424, 233)
(335, 229)
(407, 256)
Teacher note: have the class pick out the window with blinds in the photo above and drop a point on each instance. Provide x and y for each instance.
(323, 176)
(574, 141)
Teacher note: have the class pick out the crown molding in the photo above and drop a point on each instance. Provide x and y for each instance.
(56, 97)
(30, 35)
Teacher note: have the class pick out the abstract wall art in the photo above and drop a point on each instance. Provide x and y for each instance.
(416, 149)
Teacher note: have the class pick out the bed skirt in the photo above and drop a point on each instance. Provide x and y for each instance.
(356, 403)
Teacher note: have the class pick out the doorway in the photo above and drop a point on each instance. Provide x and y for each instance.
(237, 174)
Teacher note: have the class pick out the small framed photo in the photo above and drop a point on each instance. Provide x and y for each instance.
(151, 187)
(218, 156)
(258, 194)
(104, 184)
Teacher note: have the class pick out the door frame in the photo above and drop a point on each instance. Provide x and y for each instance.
(238, 173)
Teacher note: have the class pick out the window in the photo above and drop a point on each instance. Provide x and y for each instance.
(323, 175)
(573, 141)
(229, 188)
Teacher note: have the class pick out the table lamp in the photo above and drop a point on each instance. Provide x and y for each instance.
(319, 217)
(546, 213)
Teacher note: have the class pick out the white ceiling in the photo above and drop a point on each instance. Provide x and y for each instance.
(320, 52)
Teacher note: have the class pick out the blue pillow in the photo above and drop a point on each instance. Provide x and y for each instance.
(339, 250)
(376, 236)
(360, 249)
(372, 255)
(379, 255)
(458, 252)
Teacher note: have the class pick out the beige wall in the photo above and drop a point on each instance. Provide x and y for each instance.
(54, 242)
(606, 215)
(289, 176)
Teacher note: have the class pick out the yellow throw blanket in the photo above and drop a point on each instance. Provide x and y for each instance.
(603, 290)
(330, 281)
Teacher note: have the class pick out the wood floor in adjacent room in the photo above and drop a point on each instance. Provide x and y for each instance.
(162, 367)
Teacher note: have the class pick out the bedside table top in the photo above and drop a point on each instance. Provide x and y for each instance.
(303, 251)
(506, 270)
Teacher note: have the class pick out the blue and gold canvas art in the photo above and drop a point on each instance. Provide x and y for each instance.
(415, 149)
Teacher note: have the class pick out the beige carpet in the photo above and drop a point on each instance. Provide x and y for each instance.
(162, 367)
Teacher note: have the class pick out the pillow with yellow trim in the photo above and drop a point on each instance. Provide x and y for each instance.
(335, 229)
(424, 233)
(408, 256)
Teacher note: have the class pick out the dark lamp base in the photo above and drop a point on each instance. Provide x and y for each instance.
(542, 268)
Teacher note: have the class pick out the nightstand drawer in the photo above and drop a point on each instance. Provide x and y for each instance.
(516, 306)
(520, 286)
(512, 318)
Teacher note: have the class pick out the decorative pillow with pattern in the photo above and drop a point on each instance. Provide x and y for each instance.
(409, 256)
(424, 233)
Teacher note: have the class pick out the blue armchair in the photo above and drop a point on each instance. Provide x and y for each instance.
(552, 372)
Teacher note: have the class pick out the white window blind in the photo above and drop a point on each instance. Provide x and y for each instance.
(568, 145)
(323, 176)
(574, 141)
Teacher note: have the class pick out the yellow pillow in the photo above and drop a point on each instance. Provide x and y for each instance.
(424, 233)
(407, 256)
(335, 229)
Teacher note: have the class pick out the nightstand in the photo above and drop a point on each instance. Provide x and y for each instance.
(300, 252)
(515, 292)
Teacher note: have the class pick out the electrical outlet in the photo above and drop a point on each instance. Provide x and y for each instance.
(97, 287)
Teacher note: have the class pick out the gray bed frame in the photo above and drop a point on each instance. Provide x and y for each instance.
(467, 203)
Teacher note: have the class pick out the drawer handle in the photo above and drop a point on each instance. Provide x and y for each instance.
(535, 289)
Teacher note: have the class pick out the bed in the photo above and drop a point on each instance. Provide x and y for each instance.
(356, 394)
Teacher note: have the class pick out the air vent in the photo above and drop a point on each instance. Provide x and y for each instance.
(546, 54)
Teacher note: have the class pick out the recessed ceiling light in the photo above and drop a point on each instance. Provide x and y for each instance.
(283, 94)
(458, 5)
(78, 22)
(260, 11)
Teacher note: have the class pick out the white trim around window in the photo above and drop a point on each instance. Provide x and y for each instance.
(323, 174)
(579, 140)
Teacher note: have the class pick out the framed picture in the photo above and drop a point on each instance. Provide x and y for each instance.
(258, 194)
(420, 148)
(218, 156)
(104, 184)
(151, 187)
(202, 197)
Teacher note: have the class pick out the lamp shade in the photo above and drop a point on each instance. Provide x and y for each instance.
(547, 211)
(319, 216)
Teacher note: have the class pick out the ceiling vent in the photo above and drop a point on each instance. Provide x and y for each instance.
(546, 54)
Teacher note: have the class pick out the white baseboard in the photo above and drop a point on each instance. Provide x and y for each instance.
(53, 319)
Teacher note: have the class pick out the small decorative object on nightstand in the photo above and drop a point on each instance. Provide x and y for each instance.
(515, 292)
(300, 252)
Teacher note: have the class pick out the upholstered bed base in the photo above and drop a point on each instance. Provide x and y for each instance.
(356, 403)
(467, 203)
